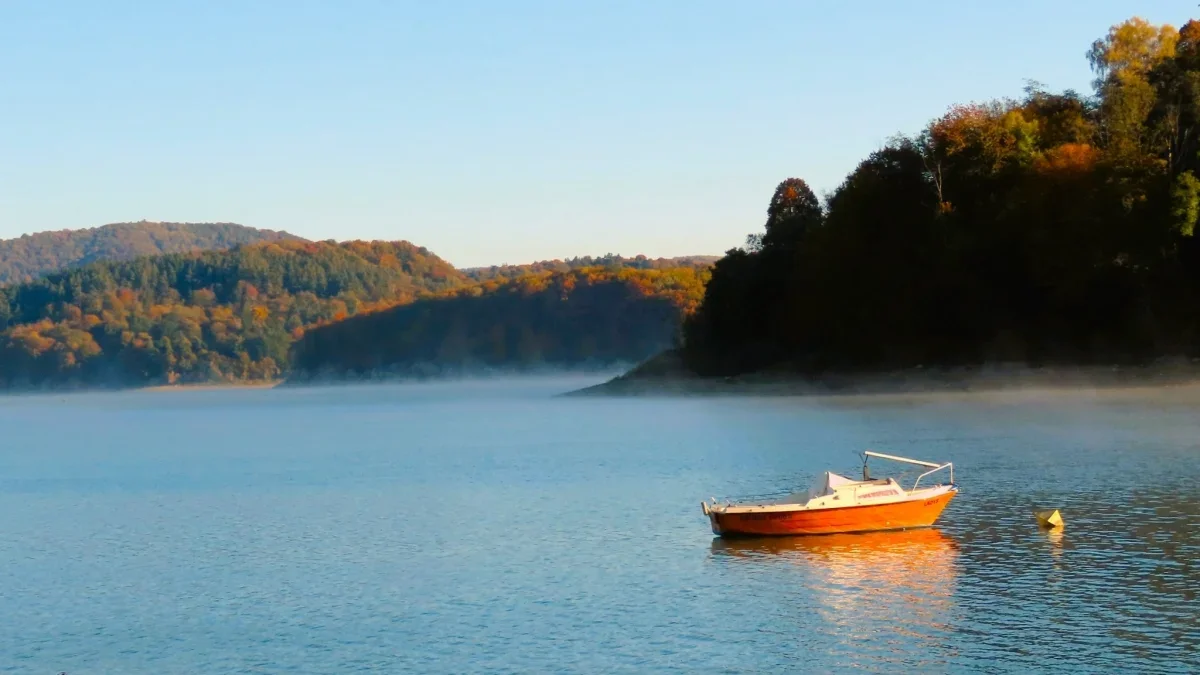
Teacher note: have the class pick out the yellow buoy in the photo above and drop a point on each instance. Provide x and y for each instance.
(1049, 518)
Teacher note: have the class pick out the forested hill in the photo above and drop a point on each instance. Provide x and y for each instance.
(591, 316)
(28, 257)
(200, 317)
(234, 315)
(1058, 228)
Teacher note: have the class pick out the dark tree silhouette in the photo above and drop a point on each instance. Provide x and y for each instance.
(793, 210)
(1052, 229)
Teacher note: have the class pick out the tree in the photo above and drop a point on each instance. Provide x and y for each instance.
(1185, 203)
(1130, 50)
(1122, 62)
(793, 211)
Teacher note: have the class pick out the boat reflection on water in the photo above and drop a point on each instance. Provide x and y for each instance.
(849, 546)
(896, 585)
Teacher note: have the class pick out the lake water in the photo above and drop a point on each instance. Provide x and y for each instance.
(490, 527)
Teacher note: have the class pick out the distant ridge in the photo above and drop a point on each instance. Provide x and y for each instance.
(641, 262)
(32, 255)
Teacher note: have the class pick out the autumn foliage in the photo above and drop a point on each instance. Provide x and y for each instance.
(1075, 159)
(591, 316)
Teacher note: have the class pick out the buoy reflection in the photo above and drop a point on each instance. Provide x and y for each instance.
(1055, 537)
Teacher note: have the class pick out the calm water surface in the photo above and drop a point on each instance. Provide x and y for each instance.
(494, 528)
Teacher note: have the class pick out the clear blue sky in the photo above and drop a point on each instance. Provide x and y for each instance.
(493, 132)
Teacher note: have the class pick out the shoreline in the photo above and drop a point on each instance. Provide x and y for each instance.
(205, 386)
(657, 381)
(135, 389)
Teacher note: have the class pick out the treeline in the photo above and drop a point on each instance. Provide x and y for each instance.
(211, 316)
(1058, 228)
(593, 316)
(33, 255)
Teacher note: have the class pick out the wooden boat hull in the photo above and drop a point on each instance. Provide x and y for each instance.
(921, 512)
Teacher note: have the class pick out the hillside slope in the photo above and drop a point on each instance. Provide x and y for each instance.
(200, 317)
(586, 317)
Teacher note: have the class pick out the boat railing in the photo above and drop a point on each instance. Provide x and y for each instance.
(949, 465)
(932, 466)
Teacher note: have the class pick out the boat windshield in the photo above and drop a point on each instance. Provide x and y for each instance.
(826, 484)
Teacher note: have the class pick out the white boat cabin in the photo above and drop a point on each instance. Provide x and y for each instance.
(831, 489)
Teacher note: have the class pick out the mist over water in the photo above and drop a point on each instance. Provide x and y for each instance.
(490, 526)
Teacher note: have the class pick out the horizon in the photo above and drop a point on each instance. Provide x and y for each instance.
(497, 135)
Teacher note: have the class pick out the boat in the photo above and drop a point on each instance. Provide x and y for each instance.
(839, 505)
